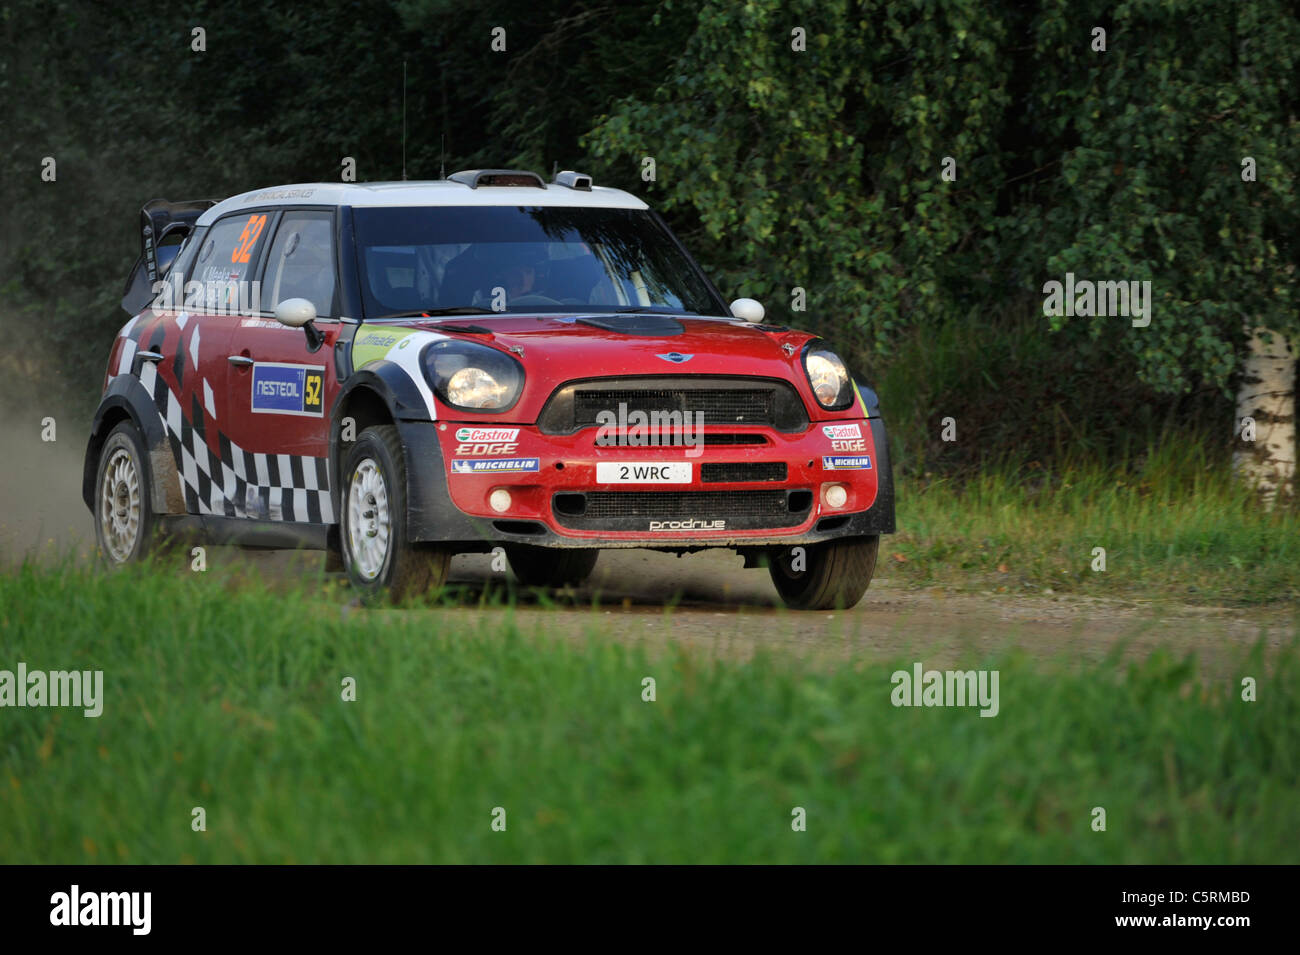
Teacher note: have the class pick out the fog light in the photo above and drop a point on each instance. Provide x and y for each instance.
(836, 495)
(500, 500)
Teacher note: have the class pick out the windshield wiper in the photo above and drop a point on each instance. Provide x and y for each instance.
(464, 327)
(446, 310)
(654, 309)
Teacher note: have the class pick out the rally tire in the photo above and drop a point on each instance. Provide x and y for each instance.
(126, 527)
(377, 553)
(550, 566)
(835, 576)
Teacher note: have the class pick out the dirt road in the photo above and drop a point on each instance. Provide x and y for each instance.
(718, 607)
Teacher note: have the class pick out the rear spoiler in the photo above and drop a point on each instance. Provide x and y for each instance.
(160, 221)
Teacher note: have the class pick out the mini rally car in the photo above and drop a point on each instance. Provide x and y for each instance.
(397, 372)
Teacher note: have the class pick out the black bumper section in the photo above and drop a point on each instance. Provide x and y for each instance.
(430, 514)
(432, 517)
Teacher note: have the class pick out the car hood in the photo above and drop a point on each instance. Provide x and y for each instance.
(561, 348)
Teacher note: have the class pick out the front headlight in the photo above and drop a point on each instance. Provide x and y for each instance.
(472, 377)
(829, 378)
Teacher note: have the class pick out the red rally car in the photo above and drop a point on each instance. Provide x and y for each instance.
(397, 372)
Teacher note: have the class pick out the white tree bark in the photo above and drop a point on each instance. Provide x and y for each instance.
(1267, 396)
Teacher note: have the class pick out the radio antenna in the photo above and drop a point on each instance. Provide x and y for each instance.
(403, 121)
(442, 172)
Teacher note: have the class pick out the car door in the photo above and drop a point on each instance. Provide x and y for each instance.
(278, 387)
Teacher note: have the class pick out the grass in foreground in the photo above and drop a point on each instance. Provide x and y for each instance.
(231, 701)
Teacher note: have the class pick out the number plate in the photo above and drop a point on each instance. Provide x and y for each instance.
(643, 472)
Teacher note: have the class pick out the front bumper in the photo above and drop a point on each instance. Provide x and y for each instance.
(554, 491)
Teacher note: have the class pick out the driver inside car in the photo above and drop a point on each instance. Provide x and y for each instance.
(519, 280)
(518, 272)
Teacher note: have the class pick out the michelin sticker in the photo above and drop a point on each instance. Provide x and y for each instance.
(288, 389)
(835, 462)
(494, 466)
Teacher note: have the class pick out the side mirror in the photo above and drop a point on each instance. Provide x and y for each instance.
(300, 313)
(747, 309)
(295, 312)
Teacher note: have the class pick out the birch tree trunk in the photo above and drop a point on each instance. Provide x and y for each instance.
(1266, 395)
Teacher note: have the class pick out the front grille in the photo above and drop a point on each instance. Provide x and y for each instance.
(635, 510)
(670, 403)
(717, 405)
(724, 473)
(681, 439)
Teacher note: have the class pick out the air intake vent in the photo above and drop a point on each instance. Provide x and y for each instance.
(714, 438)
(635, 510)
(574, 180)
(497, 177)
(713, 472)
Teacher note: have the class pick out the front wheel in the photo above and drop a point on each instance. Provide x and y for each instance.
(826, 576)
(376, 551)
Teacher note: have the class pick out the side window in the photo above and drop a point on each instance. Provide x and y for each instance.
(225, 259)
(301, 262)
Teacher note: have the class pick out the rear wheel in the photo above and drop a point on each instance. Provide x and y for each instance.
(376, 551)
(826, 576)
(550, 566)
(126, 527)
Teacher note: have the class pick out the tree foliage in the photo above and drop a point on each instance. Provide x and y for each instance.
(822, 168)
(819, 167)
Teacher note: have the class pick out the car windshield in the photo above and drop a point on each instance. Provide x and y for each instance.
(523, 259)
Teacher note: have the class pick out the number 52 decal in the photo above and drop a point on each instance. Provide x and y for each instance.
(313, 383)
(248, 238)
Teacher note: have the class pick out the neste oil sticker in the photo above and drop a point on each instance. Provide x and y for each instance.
(288, 389)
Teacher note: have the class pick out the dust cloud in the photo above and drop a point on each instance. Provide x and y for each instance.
(41, 510)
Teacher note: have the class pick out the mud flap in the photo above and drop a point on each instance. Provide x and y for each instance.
(431, 516)
(880, 518)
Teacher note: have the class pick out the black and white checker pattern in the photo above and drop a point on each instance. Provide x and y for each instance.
(238, 483)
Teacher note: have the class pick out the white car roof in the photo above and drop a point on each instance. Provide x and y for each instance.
(441, 192)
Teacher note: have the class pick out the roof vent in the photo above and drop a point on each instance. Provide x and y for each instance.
(574, 180)
(497, 177)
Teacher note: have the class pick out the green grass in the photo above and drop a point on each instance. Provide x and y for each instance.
(229, 698)
(1171, 528)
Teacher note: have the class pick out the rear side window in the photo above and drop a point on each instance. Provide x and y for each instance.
(225, 259)
(189, 251)
(172, 294)
(301, 262)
